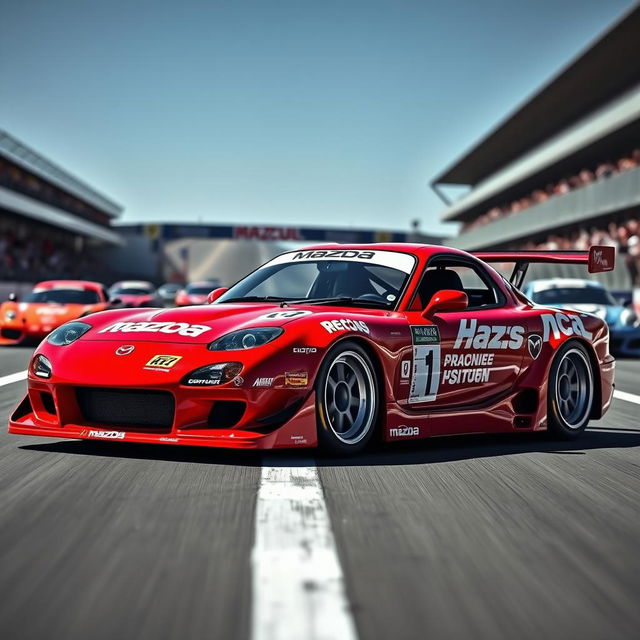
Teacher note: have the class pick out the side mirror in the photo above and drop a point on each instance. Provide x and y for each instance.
(13, 297)
(446, 300)
(115, 301)
(216, 293)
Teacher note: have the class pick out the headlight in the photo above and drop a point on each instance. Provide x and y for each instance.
(9, 314)
(68, 333)
(41, 367)
(245, 339)
(212, 374)
(629, 317)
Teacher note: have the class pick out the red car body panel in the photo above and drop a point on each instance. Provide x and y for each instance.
(492, 373)
(35, 320)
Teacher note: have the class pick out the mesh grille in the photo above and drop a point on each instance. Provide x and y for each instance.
(126, 407)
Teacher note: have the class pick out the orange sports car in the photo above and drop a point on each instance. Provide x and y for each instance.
(49, 305)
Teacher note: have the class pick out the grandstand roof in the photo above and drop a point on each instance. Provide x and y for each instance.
(32, 161)
(608, 67)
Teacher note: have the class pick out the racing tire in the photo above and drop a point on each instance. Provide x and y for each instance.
(347, 400)
(570, 392)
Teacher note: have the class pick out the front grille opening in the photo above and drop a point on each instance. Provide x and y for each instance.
(226, 414)
(10, 334)
(48, 403)
(127, 407)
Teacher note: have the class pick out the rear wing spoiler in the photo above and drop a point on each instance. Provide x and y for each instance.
(597, 259)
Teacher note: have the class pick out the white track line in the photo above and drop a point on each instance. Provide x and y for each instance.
(13, 377)
(298, 585)
(629, 397)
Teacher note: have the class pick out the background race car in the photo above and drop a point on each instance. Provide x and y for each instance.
(591, 297)
(196, 292)
(48, 306)
(135, 293)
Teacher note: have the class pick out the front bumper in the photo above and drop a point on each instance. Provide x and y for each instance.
(272, 418)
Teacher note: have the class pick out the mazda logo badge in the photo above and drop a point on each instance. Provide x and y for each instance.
(125, 350)
(534, 342)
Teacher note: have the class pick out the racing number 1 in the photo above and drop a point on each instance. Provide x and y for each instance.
(426, 373)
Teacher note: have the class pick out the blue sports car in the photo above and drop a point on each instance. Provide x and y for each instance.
(591, 297)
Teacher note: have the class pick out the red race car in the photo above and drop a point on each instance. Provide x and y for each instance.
(195, 293)
(134, 293)
(331, 345)
(48, 306)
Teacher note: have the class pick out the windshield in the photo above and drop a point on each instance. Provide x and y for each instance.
(64, 296)
(573, 295)
(358, 278)
(130, 291)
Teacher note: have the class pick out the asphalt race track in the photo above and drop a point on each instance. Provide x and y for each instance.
(470, 537)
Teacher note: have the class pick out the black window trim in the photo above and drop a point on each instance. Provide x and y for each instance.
(472, 263)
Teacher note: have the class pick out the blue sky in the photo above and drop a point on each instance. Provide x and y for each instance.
(280, 112)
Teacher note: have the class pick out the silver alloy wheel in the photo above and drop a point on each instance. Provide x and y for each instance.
(350, 397)
(574, 388)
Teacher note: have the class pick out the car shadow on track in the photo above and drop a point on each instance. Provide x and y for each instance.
(162, 452)
(456, 448)
(429, 451)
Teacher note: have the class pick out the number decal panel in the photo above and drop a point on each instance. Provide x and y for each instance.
(425, 373)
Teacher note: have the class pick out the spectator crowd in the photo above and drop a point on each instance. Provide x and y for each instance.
(623, 234)
(32, 251)
(584, 177)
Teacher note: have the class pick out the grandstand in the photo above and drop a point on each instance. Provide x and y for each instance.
(51, 223)
(563, 170)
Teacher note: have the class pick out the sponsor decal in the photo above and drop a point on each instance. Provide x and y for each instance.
(106, 435)
(54, 311)
(296, 379)
(404, 432)
(425, 334)
(333, 326)
(238, 381)
(204, 381)
(179, 328)
(305, 350)
(267, 233)
(405, 369)
(165, 439)
(125, 350)
(534, 344)
(299, 440)
(471, 335)
(394, 259)
(162, 362)
(284, 315)
(559, 324)
(263, 382)
(344, 254)
(474, 368)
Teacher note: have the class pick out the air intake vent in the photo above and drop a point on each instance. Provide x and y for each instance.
(226, 414)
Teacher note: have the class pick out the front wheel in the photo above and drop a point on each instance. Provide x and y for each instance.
(570, 394)
(347, 399)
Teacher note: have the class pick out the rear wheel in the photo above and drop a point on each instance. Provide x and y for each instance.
(347, 399)
(570, 394)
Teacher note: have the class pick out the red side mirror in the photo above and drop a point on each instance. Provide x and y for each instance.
(216, 293)
(446, 300)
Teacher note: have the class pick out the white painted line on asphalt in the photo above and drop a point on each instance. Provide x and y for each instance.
(13, 377)
(629, 397)
(298, 585)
